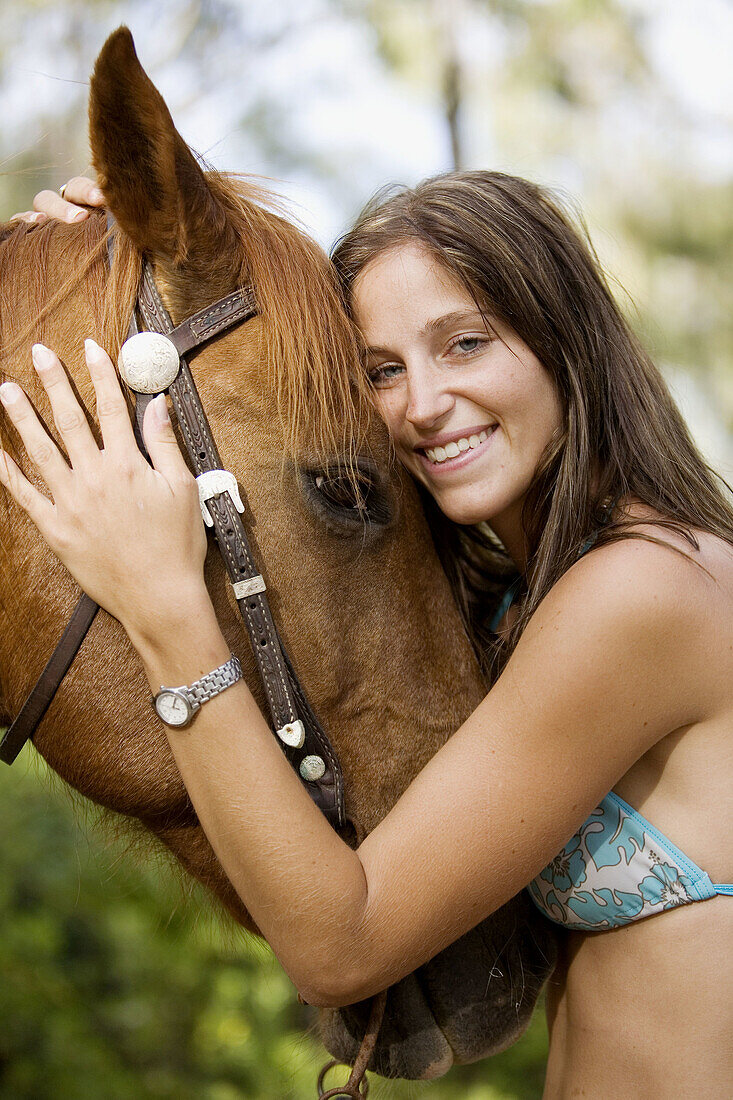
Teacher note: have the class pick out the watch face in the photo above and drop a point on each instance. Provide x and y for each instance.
(173, 708)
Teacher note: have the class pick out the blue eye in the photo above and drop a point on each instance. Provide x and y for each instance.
(467, 344)
(386, 373)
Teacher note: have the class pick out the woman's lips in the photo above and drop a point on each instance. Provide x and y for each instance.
(438, 469)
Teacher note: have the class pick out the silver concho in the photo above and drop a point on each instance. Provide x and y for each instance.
(148, 362)
(292, 734)
(312, 768)
(212, 483)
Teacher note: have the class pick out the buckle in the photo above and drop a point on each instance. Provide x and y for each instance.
(212, 483)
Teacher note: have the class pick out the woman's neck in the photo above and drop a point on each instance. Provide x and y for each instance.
(507, 526)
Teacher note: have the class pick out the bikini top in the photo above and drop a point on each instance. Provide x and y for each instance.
(618, 867)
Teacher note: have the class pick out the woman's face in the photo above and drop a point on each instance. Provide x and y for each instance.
(470, 408)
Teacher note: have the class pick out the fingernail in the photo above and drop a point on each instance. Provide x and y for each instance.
(43, 357)
(96, 195)
(9, 393)
(93, 351)
(80, 216)
(160, 408)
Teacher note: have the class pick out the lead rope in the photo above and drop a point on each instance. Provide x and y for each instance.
(357, 1086)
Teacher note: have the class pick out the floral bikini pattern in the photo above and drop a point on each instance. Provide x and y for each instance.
(616, 869)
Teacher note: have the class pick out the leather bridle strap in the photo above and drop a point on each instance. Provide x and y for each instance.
(302, 737)
(357, 1086)
(41, 695)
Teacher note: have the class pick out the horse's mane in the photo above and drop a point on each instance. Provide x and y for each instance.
(309, 347)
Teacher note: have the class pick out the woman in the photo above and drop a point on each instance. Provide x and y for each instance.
(550, 450)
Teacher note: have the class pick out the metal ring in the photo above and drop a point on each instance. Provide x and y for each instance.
(62, 188)
(349, 1091)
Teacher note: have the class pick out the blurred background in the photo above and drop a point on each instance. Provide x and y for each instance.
(116, 980)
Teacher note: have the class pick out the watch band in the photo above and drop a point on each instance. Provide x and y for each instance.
(214, 682)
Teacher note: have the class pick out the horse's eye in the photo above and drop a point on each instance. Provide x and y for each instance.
(353, 497)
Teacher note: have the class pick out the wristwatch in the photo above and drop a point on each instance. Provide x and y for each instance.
(177, 706)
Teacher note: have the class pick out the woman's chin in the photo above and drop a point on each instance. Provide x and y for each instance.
(465, 510)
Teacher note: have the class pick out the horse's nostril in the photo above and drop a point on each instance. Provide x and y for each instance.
(349, 833)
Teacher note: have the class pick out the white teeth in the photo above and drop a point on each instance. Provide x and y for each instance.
(454, 449)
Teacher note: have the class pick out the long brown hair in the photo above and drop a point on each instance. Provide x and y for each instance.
(522, 260)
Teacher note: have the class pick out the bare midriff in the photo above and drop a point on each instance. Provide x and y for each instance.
(645, 1012)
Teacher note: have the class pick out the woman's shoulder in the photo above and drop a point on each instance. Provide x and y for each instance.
(678, 566)
(654, 589)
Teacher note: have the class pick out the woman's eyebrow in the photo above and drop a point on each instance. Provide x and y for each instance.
(471, 317)
(459, 317)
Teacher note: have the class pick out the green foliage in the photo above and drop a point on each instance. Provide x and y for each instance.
(118, 980)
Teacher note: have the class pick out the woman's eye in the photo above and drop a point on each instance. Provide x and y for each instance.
(468, 344)
(382, 375)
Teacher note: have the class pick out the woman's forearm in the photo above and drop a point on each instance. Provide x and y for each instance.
(304, 887)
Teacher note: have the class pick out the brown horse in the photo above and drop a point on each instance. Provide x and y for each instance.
(359, 597)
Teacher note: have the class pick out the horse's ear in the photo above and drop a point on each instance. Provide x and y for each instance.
(152, 182)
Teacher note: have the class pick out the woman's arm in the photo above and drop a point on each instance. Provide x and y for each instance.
(600, 674)
(591, 686)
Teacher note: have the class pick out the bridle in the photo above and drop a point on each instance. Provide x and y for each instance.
(297, 728)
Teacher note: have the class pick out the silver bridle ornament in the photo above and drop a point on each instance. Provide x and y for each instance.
(148, 362)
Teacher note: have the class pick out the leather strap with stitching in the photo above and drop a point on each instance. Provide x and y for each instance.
(285, 697)
(40, 698)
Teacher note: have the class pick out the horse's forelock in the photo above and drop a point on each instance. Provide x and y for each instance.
(31, 260)
(310, 345)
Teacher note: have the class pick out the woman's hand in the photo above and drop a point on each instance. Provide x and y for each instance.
(130, 534)
(80, 193)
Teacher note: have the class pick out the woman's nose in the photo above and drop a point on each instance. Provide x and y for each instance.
(427, 402)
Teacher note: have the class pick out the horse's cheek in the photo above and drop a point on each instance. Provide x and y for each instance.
(101, 734)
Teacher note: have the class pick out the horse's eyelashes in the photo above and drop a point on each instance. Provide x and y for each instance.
(352, 496)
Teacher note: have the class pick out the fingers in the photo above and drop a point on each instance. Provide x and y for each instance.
(83, 191)
(68, 414)
(112, 414)
(163, 446)
(52, 205)
(30, 216)
(79, 193)
(34, 503)
(41, 449)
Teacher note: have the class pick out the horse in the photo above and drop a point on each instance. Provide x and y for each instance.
(355, 584)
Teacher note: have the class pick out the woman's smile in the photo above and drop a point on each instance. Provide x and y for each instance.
(456, 450)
